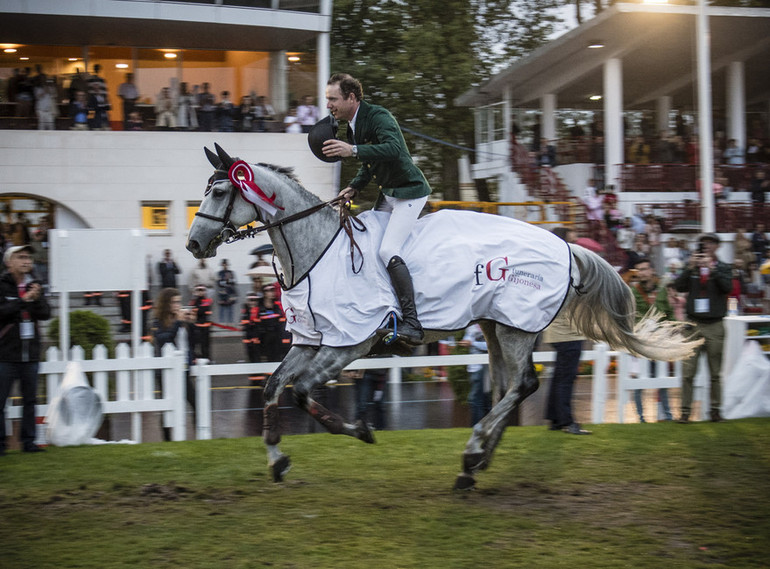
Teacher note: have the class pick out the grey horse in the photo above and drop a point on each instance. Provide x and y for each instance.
(301, 226)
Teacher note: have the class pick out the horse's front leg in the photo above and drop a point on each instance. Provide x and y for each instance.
(326, 365)
(298, 358)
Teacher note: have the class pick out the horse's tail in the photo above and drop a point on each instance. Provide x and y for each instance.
(604, 309)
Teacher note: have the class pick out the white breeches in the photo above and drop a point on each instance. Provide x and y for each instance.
(403, 216)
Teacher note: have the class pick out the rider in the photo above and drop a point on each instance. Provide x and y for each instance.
(376, 140)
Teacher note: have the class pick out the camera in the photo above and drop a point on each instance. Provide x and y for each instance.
(701, 249)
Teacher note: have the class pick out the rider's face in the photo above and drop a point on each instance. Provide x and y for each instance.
(340, 107)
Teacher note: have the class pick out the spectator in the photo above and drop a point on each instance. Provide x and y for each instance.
(172, 325)
(649, 292)
(135, 121)
(25, 95)
(760, 185)
(129, 94)
(165, 110)
(22, 306)
(226, 294)
(250, 327)
(547, 154)
(733, 155)
(742, 248)
(663, 150)
(707, 282)
(759, 242)
(226, 113)
(272, 325)
(202, 274)
(480, 396)
(46, 104)
(201, 318)
(206, 109)
(246, 114)
(264, 112)
(370, 397)
(307, 114)
(639, 151)
(79, 111)
(568, 345)
(168, 270)
(186, 117)
(291, 123)
(98, 105)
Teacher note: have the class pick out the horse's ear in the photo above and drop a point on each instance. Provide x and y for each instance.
(224, 157)
(213, 158)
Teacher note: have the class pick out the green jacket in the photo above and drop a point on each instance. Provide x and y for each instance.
(660, 302)
(384, 157)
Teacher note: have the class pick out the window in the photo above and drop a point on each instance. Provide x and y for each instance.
(155, 216)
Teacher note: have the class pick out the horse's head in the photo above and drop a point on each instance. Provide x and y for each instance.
(224, 209)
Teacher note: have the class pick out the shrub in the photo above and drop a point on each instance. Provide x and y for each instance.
(87, 330)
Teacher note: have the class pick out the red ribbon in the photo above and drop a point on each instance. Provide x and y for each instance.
(242, 175)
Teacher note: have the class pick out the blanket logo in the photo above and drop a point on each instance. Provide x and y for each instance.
(500, 269)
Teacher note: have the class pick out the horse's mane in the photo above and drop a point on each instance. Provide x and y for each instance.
(285, 170)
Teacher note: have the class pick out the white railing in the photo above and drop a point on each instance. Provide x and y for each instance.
(133, 390)
(135, 381)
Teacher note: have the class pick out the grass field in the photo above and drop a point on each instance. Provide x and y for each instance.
(654, 496)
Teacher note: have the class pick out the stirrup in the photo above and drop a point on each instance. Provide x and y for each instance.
(390, 330)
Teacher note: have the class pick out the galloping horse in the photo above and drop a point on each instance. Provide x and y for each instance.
(303, 229)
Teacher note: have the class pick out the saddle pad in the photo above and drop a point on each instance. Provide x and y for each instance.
(465, 266)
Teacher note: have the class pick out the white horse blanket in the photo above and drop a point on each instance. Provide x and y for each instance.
(465, 266)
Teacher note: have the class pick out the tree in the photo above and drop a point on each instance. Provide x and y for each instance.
(415, 58)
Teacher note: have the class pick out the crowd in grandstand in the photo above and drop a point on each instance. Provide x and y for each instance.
(82, 102)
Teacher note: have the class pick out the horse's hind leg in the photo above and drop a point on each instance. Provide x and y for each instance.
(510, 355)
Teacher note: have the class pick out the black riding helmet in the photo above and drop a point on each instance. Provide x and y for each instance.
(323, 130)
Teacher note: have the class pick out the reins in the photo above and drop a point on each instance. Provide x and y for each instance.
(348, 223)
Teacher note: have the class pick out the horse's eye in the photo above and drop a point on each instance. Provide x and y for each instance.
(219, 191)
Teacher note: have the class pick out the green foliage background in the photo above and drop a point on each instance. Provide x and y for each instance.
(416, 58)
(87, 330)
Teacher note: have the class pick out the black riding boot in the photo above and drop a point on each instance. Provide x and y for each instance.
(410, 329)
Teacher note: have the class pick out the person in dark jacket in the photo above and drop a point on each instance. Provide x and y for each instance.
(707, 282)
(22, 306)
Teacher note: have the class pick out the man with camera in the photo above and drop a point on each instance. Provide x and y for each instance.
(22, 305)
(707, 282)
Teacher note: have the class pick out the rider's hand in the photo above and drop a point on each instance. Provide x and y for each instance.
(348, 193)
(335, 147)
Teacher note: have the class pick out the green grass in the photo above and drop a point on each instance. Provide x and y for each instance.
(642, 496)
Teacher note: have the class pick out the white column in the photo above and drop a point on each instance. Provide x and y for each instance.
(323, 73)
(613, 120)
(548, 120)
(322, 57)
(705, 128)
(279, 81)
(736, 103)
(663, 113)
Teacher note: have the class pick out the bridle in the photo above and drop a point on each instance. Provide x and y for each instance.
(228, 228)
(230, 233)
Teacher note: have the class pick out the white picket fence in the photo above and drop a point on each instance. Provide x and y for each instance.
(135, 392)
(133, 387)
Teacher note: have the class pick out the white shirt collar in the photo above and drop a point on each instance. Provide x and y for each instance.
(352, 123)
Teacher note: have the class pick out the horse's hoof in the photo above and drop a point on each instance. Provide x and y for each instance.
(465, 481)
(364, 433)
(280, 467)
(475, 462)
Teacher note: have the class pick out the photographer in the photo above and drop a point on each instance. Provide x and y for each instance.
(22, 305)
(707, 282)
